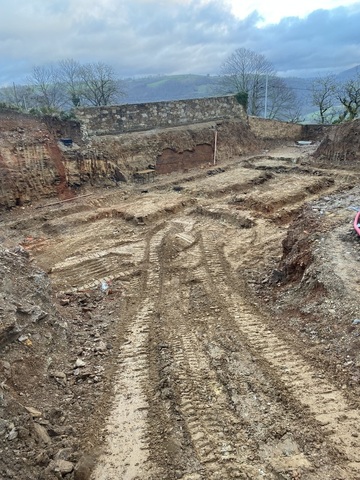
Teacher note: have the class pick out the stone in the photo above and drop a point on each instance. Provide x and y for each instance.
(101, 347)
(12, 434)
(79, 363)
(3, 426)
(23, 338)
(60, 377)
(3, 402)
(42, 434)
(42, 459)
(23, 432)
(83, 372)
(84, 467)
(33, 412)
(6, 365)
(62, 466)
(63, 454)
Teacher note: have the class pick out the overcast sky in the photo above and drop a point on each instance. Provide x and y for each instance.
(140, 37)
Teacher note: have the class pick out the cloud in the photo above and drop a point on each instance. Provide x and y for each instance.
(325, 40)
(139, 37)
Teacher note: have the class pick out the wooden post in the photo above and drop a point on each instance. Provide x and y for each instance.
(215, 145)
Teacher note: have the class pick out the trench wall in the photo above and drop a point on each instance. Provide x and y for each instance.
(341, 146)
(274, 130)
(268, 129)
(110, 157)
(112, 144)
(117, 119)
(32, 166)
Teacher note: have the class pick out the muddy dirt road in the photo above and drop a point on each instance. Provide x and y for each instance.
(209, 376)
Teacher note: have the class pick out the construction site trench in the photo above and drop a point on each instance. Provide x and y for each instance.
(201, 326)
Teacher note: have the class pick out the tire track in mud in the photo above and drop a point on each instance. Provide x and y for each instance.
(127, 449)
(222, 434)
(87, 271)
(218, 440)
(281, 443)
(327, 406)
(218, 443)
(256, 413)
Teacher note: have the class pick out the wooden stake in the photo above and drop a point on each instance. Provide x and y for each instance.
(215, 145)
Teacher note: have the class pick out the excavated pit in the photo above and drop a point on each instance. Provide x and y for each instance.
(203, 332)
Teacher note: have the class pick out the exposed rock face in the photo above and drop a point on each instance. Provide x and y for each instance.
(31, 163)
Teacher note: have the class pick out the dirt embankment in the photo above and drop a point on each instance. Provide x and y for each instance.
(341, 146)
(34, 164)
(31, 163)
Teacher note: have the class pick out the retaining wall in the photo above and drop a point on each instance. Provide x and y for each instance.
(117, 119)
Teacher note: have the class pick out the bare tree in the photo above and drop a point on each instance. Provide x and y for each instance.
(324, 97)
(71, 84)
(98, 84)
(349, 97)
(69, 75)
(245, 72)
(281, 101)
(19, 96)
(48, 91)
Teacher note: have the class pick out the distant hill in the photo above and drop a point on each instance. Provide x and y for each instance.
(159, 88)
(181, 87)
(347, 74)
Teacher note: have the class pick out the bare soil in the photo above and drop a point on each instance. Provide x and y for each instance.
(201, 326)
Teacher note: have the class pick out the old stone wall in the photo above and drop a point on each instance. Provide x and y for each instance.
(113, 120)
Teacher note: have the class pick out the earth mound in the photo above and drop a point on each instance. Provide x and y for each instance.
(341, 146)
